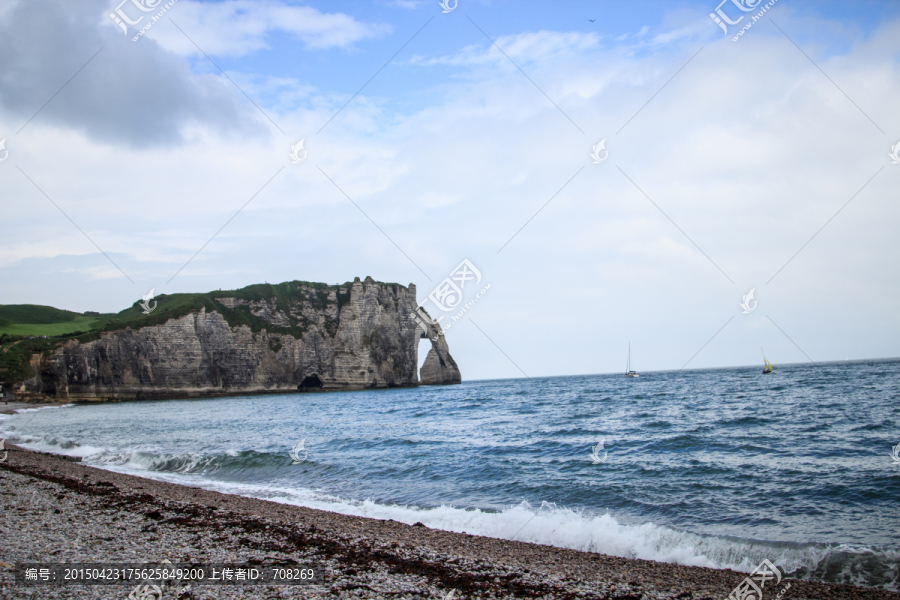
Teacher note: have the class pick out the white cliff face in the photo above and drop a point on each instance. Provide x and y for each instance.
(361, 335)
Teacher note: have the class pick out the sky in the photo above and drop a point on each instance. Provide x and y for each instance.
(756, 158)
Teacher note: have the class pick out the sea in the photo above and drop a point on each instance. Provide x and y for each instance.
(720, 468)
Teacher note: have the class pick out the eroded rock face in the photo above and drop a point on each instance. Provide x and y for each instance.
(356, 336)
(439, 367)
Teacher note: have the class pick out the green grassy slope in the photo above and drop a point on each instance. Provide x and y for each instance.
(33, 319)
(34, 313)
(81, 323)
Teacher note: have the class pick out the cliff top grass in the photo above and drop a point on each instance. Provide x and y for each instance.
(34, 313)
(79, 323)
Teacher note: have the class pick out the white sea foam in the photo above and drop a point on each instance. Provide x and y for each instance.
(554, 526)
(22, 411)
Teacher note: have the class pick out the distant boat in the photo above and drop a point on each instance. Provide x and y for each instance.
(628, 371)
(767, 366)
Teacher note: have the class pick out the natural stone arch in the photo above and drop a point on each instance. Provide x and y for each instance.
(439, 367)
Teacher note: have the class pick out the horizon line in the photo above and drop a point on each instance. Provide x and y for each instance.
(801, 364)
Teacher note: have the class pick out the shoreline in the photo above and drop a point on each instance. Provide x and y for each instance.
(62, 511)
(36, 400)
(10, 408)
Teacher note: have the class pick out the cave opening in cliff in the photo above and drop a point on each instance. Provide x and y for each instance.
(310, 382)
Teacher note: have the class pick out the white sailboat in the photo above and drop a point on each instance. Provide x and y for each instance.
(628, 371)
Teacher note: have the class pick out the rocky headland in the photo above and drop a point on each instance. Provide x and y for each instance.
(260, 339)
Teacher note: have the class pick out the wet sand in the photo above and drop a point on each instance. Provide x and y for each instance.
(55, 509)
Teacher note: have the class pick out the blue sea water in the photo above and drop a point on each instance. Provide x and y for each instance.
(720, 468)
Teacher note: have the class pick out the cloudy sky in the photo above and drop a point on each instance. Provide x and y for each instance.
(435, 137)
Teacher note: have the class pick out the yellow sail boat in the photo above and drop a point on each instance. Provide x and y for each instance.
(767, 366)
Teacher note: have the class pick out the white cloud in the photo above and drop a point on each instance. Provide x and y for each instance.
(410, 4)
(239, 27)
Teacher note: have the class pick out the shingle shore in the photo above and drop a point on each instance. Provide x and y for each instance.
(57, 510)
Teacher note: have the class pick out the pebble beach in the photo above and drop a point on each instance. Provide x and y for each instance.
(57, 510)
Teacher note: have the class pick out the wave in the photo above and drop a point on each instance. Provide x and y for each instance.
(575, 529)
(547, 524)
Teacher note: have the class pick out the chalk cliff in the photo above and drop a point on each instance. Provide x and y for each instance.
(265, 338)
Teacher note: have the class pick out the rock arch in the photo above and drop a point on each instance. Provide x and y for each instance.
(439, 367)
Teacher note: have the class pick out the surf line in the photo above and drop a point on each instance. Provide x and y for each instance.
(754, 18)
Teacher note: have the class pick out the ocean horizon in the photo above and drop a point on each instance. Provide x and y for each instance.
(698, 369)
